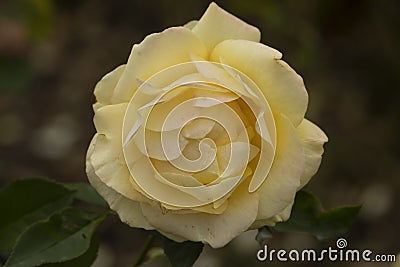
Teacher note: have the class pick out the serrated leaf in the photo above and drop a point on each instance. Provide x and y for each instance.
(85, 192)
(61, 238)
(84, 260)
(24, 202)
(309, 217)
(182, 254)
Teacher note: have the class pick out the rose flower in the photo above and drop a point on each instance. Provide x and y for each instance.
(201, 135)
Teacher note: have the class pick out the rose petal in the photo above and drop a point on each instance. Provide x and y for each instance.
(281, 217)
(128, 210)
(108, 121)
(204, 209)
(217, 25)
(219, 135)
(156, 52)
(198, 128)
(263, 167)
(107, 158)
(174, 114)
(281, 85)
(234, 157)
(162, 190)
(312, 139)
(190, 24)
(181, 179)
(153, 146)
(105, 87)
(206, 155)
(279, 189)
(215, 230)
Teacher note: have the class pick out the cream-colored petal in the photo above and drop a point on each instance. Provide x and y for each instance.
(281, 85)
(107, 157)
(207, 153)
(210, 208)
(165, 166)
(105, 87)
(155, 53)
(234, 157)
(190, 24)
(108, 120)
(172, 115)
(263, 167)
(162, 190)
(185, 180)
(219, 74)
(219, 135)
(225, 116)
(285, 214)
(217, 25)
(279, 189)
(208, 175)
(198, 128)
(215, 230)
(281, 217)
(312, 138)
(128, 210)
(155, 148)
(111, 168)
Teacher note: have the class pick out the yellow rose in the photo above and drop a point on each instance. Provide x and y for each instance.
(201, 135)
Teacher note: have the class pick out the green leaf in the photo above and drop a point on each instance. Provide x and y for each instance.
(62, 237)
(25, 202)
(84, 260)
(309, 217)
(182, 254)
(85, 192)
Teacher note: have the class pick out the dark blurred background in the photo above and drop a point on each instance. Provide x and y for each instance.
(52, 53)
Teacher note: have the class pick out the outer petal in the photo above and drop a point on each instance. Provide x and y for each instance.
(312, 139)
(217, 25)
(281, 85)
(279, 189)
(190, 24)
(128, 210)
(107, 158)
(156, 52)
(281, 217)
(105, 87)
(214, 229)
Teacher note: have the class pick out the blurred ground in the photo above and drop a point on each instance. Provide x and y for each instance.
(52, 53)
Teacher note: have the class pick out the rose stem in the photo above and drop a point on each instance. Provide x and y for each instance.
(144, 251)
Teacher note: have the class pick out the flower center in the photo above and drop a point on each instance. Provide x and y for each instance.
(193, 132)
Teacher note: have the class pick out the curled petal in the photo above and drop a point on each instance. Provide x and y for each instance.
(279, 189)
(128, 210)
(312, 139)
(281, 85)
(154, 54)
(214, 229)
(107, 158)
(217, 25)
(105, 87)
